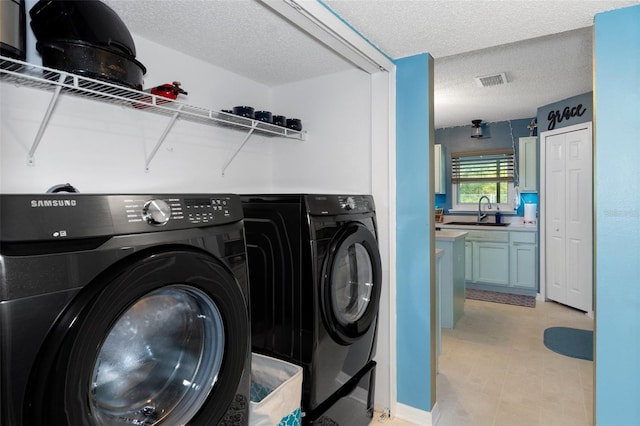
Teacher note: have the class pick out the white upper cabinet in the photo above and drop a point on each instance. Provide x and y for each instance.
(528, 164)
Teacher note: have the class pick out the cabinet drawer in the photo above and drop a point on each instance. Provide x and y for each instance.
(523, 237)
(498, 236)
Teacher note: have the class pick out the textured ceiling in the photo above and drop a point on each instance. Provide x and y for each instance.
(449, 27)
(539, 71)
(242, 36)
(544, 47)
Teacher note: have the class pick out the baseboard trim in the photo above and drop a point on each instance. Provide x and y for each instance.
(417, 416)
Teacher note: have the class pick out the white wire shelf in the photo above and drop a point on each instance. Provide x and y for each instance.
(58, 81)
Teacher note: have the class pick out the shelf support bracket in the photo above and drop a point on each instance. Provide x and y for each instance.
(246, 138)
(172, 121)
(45, 120)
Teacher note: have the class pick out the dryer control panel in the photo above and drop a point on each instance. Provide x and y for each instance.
(339, 204)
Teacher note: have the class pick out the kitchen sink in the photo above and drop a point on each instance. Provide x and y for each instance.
(476, 224)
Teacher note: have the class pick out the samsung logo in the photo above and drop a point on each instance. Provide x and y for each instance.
(53, 203)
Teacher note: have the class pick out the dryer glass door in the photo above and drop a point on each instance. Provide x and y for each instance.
(352, 279)
(351, 283)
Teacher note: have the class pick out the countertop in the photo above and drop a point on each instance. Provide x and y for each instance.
(513, 226)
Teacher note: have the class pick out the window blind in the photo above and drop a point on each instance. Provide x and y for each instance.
(482, 166)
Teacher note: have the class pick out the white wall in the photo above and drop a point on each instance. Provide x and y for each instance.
(336, 157)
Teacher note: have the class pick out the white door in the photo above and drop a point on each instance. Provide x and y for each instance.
(568, 224)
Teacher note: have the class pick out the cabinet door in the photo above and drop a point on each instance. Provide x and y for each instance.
(528, 164)
(491, 263)
(523, 267)
(439, 168)
(468, 261)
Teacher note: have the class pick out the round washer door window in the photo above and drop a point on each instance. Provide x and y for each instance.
(351, 283)
(161, 338)
(160, 359)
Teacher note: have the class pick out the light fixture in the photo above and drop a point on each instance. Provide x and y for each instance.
(476, 129)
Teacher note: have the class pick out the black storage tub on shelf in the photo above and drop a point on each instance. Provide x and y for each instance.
(92, 61)
(90, 21)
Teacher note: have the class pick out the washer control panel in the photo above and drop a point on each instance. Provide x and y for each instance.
(156, 212)
(174, 212)
(206, 210)
(187, 210)
(42, 217)
(153, 211)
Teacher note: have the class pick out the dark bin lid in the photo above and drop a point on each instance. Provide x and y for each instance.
(89, 21)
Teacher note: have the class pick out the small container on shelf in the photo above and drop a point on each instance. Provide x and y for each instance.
(244, 111)
(280, 120)
(264, 116)
(294, 123)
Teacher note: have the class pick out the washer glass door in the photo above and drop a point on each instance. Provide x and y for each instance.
(160, 338)
(159, 360)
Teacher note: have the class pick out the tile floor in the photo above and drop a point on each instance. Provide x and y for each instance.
(494, 369)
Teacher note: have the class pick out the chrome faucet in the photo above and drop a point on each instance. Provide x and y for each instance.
(482, 216)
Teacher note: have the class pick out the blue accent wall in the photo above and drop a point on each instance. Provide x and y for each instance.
(413, 207)
(617, 213)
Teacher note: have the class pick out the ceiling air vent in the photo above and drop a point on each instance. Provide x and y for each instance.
(491, 80)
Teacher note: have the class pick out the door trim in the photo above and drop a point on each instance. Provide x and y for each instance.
(542, 198)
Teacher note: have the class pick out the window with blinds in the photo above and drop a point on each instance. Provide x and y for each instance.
(482, 166)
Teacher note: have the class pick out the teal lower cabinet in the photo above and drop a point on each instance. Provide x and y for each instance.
(499, 260)
(451, 271)
(491, 263)
(523, 260)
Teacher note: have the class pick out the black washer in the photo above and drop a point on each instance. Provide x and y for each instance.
(124, 309)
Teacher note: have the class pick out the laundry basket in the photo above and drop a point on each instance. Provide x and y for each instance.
(276, 392)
